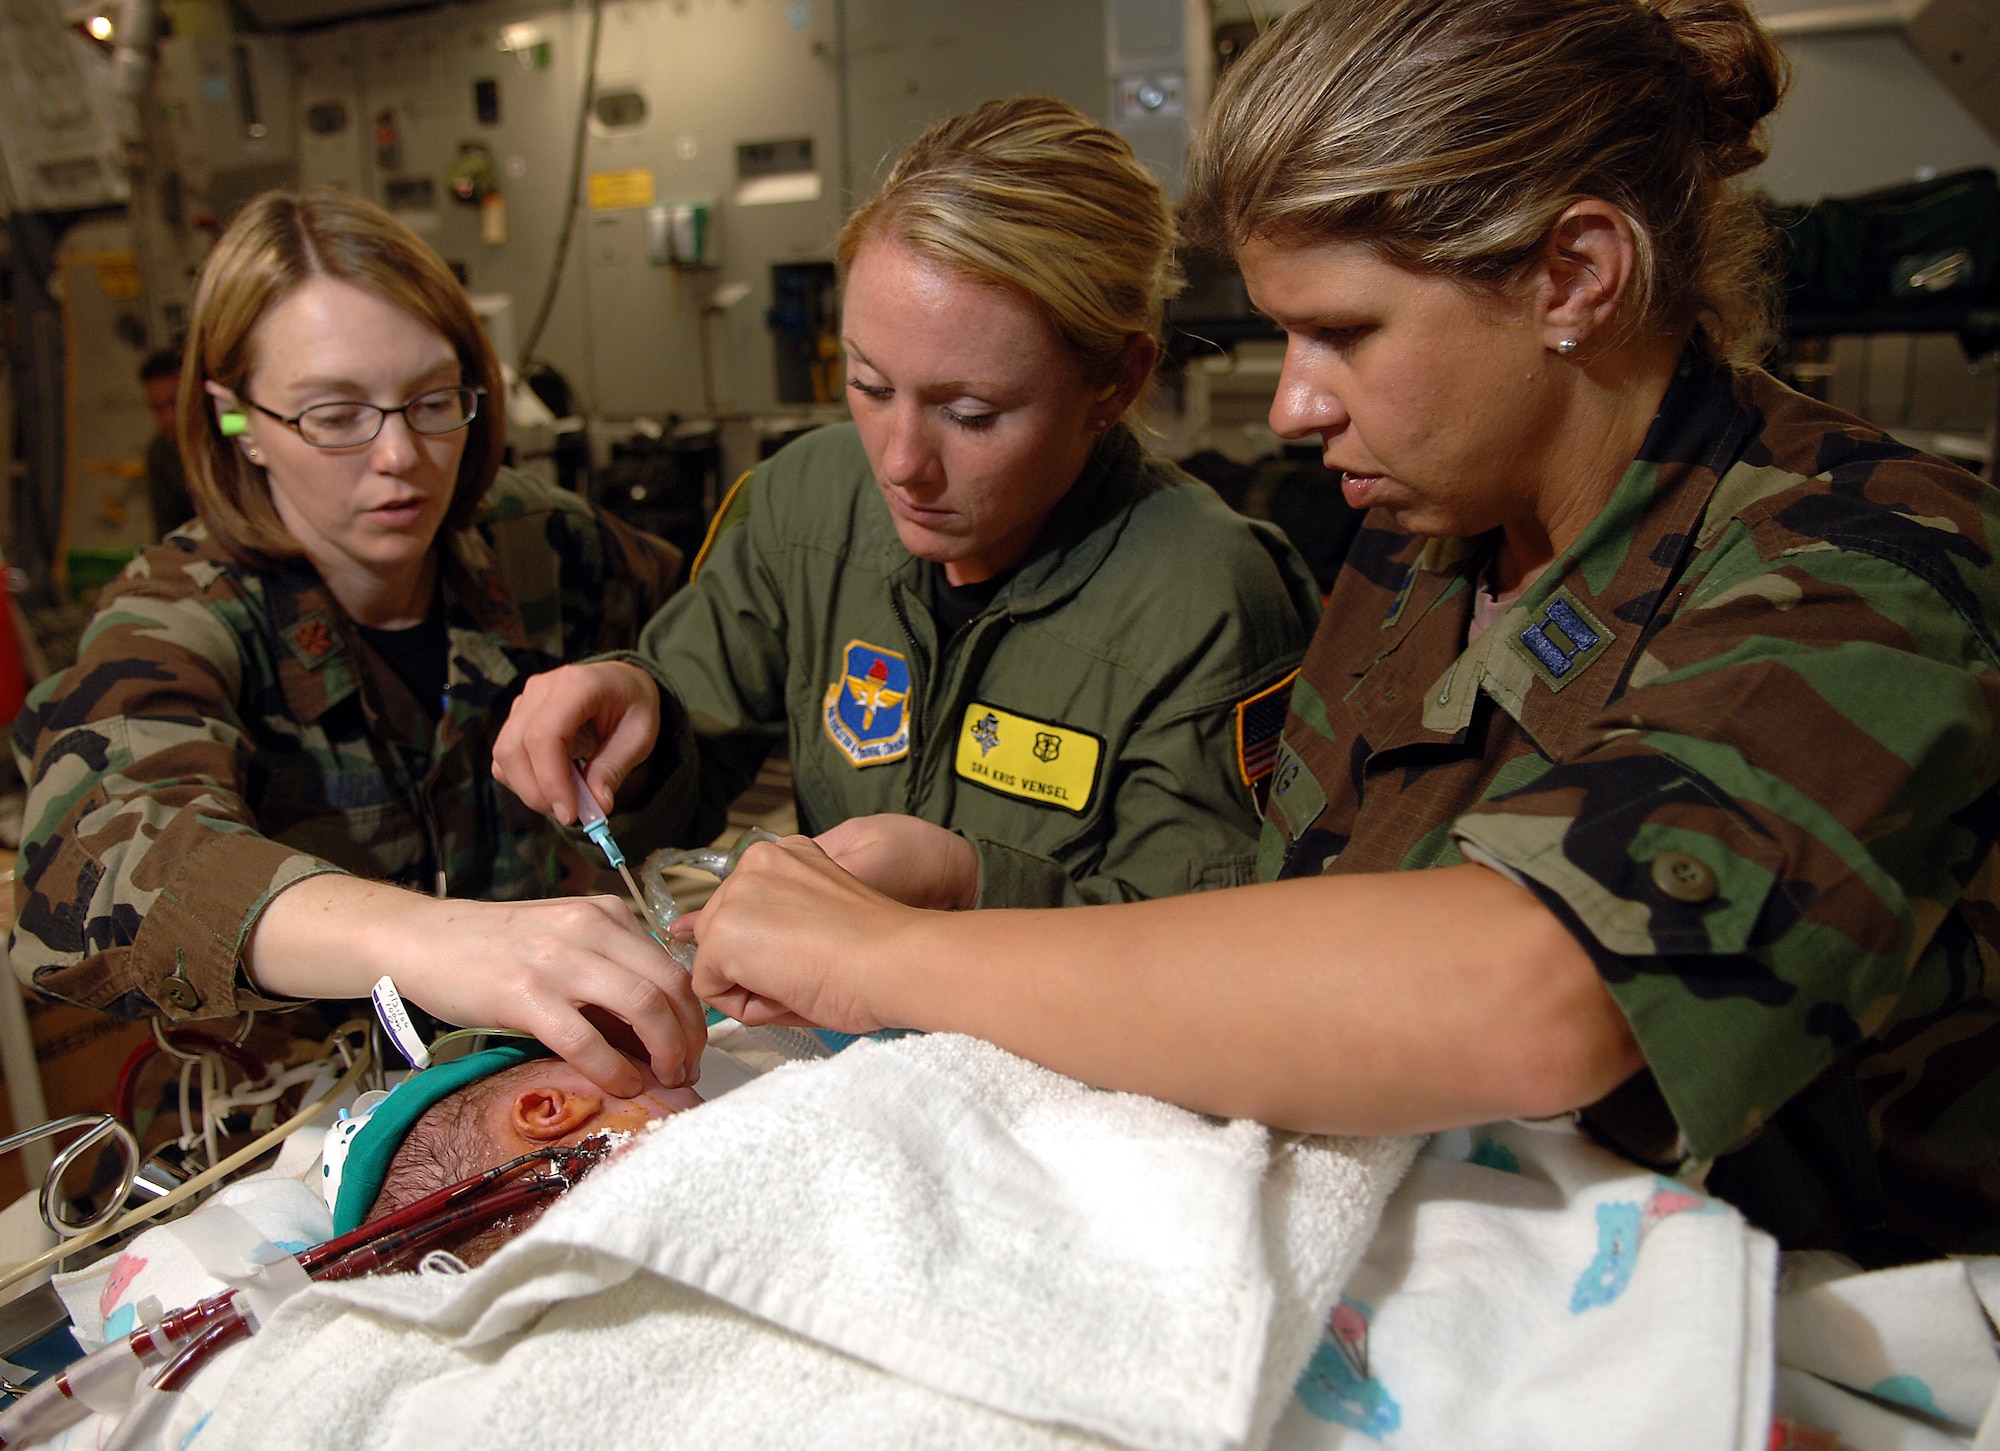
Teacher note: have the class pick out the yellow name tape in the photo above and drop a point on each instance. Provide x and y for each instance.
(1055, 765)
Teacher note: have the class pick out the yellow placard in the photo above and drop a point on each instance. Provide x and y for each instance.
(1037, 760)
(120, 280)
(612, 191)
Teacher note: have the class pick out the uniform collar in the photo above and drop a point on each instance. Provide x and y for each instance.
(1566, 649)
(313, 641)
(1081, 530)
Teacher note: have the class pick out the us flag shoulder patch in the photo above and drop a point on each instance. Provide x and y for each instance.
(1259, 722)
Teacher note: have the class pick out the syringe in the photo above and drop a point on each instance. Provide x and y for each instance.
(590, 817)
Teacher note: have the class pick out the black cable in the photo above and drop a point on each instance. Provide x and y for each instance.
(575, 185)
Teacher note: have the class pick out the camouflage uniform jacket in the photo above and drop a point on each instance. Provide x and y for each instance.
(1741, 739)
(226, 733)
(1084, 731)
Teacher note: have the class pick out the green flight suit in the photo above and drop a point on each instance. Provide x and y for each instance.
(1096, 732)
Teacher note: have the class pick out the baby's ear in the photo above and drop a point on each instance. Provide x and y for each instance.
(546, 1113)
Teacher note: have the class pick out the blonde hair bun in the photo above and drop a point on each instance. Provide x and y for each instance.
(1031, 195)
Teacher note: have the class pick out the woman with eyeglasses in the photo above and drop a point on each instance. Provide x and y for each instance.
(267, 777)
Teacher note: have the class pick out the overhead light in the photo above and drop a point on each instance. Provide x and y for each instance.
(99, 27)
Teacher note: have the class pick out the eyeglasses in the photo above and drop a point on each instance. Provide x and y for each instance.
(349, 425)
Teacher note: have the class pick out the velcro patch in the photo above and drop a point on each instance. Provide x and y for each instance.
(312, 639)
(1563, 641)
(1260, 720)
(1055, 765)
(1296, 798)
(865, 710)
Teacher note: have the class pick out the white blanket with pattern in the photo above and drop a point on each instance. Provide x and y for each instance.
(921, 1243)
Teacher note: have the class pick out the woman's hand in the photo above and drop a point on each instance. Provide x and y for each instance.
(545, 968)
(559, 714)
(907, 858)
(788, 938)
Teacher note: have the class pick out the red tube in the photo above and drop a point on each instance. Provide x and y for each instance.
(183, 1366)
(366, 1259)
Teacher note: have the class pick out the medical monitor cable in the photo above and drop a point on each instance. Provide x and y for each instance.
(307, 1112)
(534, 335)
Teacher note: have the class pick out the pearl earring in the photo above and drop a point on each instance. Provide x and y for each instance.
(254, 456)
(1567, 348)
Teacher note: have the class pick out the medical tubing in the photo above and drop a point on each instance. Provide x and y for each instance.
(195, 1334)
(211, 1089)
(314, 1260)
(186, 1101)
(371, 1257)
(43, 1411)
(143, 1426)
(234, 1315)
(274, 1090)
(64, 1398)
(307, 1112)
(183, 1366)
(254, 1068)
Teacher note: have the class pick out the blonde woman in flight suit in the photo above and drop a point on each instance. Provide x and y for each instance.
(980, 606)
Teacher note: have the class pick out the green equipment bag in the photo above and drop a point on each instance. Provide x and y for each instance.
(1931, 244)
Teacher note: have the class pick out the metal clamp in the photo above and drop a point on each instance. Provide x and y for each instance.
(98, 1127)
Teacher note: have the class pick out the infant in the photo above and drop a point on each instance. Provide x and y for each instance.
(459, 1119)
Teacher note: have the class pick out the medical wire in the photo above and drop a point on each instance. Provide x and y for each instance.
(201, 1181)
(584, 103)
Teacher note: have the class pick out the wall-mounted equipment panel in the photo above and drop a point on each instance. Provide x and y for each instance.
(234, 124)
(715, 150)
(58, 133)
(1148, 59)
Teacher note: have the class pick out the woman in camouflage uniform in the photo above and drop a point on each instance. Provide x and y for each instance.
(1644, 762)
(266, 777)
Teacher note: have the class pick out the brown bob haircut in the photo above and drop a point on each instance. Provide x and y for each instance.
(276, 242)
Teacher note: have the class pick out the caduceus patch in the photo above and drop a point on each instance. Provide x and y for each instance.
(864, 709)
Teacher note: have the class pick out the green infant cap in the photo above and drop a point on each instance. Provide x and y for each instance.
(361, 1143)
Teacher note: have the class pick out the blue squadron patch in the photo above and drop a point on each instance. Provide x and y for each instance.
(864, 708)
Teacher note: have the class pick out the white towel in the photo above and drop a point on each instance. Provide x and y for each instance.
(928, 1242)
(1545, 1296)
